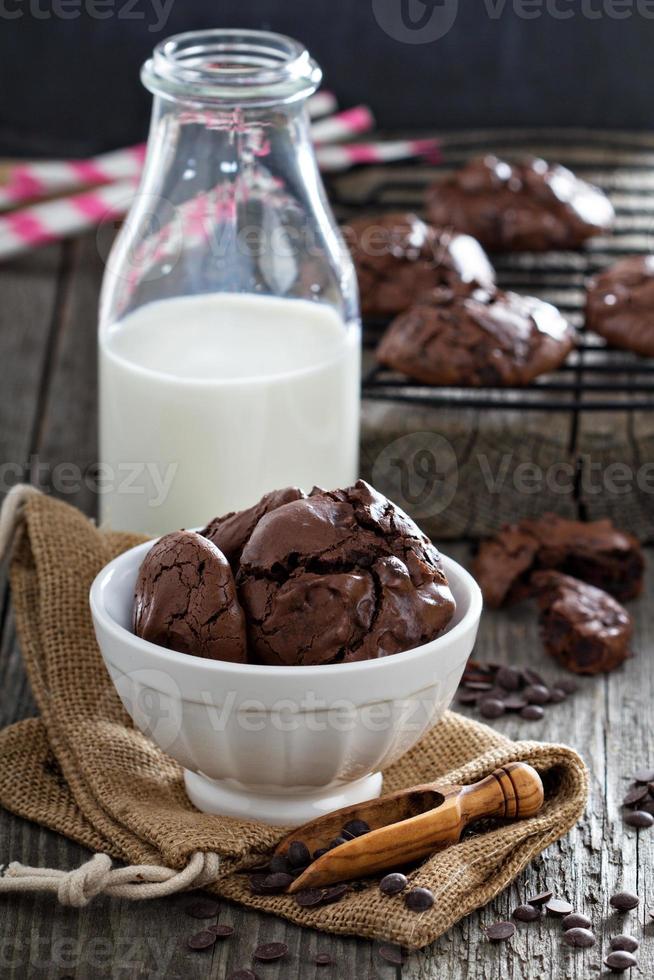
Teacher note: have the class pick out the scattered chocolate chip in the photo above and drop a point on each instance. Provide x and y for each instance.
(393, 954)
(624, 901)
(257, 884)
(222, 930)
(419, 899)
(635, 795)
(203, 910)
(356, 827)
(309, 897)
(578, 936)
(557, 695)
(537, 694)
(626, 943)
(509, 678)
(500, 931)
(533, 712)
(491, 708)
(559, 907)
(467, 697)
(479, 685)
(267, 952)
(393, 883)
(201, 940)
(336, 842)
(532, 676)
(243, 975)
(319, 852)
(323, 959)
(541, 898)
(568, 685)
(647, 806)
(526, 913)
(575, 920)
(515, 701)
(278, 862)
(644, 776)
(277, 882)
(298, 854)
(639, 818)
(333, 894)
(620, 960)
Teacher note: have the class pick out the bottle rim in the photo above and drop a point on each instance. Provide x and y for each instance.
(231, 66)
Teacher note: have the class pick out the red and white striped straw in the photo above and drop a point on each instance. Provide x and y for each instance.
(332, 158)
(41, 224)
(350, 122)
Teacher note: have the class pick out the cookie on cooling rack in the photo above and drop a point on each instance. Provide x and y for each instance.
(473, 337)
(533, 205)
(397, 256)
(620, 304)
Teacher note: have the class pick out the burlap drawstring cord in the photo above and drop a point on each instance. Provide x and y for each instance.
(11, 514)
(97, 877)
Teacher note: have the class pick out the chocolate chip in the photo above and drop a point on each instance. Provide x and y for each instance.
(557, 695)
(277, 882)
(541, 898)
(308, 897)
(526, 913)
(515, 701)
(467, 697)
(647, 806)
(319, 852)
(257, 884)
(203, 910)
(336, 842)
(266, 952)
(298, 854)
(393, 954)
(221, 930)
(626, 943)
(644, 776)
(575, 920)
(620, 960)
(419, 899)
(532, 676)
(201, 940)
(333, 894)
(509, 678)
(323, 959)
(356, 827)
(491, 708)
(537, 694)
(624, 901)
(578, 936)
(278, 862)
(393, 883)
(568, 685)
(559, 907)
(533, 712)
(639, 818)
(479, 685)
(500, 931)
(243, 975)
(635, 795)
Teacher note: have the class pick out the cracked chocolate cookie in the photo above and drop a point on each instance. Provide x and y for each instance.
(620, 304)
(533, 205)
(231, 532)
(338, 576)
(595, 552)
(583, 627)
(475, 337)
(397, 256)
(185, 599)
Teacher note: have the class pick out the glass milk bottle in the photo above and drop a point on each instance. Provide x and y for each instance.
(229, 338)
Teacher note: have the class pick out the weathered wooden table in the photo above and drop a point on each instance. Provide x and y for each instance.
(48, 412)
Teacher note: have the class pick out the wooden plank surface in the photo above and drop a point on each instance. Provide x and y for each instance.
(47, 342)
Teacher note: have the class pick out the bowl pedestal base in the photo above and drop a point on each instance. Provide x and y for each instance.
(290, 809)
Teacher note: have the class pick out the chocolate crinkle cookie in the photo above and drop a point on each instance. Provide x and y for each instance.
(473, 337)
(620, 304)
(185, 599)
(583, 628)
(338, 576)
(595, 552)
(397, 256)
(532, 205)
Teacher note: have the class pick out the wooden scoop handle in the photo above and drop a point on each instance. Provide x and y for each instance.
(514, 791)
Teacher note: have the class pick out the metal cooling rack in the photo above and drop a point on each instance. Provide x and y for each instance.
(594, 378)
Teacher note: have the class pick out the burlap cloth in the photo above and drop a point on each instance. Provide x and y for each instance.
(83, 770)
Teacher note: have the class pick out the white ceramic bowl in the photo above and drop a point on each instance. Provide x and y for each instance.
(279, 744)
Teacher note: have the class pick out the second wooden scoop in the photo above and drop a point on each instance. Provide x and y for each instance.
(411, 824)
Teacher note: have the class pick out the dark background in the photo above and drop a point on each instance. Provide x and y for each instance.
(69, 80)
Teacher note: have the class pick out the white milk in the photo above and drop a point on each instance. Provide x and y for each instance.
(207, 402)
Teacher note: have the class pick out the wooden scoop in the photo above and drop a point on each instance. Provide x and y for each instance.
(412, 824)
